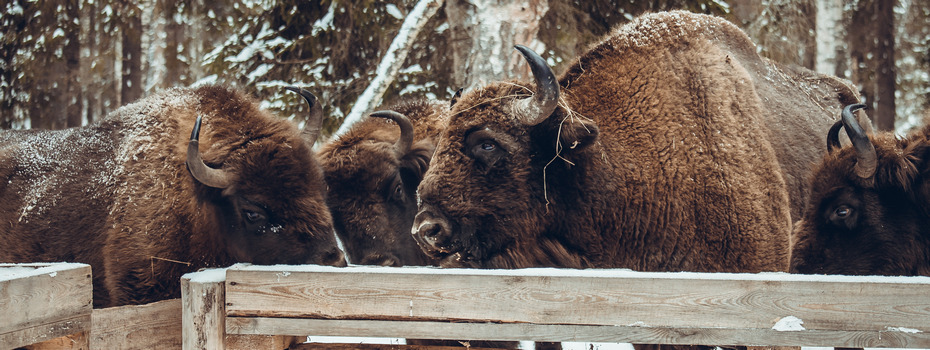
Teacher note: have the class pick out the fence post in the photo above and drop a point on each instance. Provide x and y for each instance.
(203, 305)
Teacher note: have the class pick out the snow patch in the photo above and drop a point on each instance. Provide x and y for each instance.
(207, 276)
(903, 330)
(394, 11)
(789, 324)
(325, 23)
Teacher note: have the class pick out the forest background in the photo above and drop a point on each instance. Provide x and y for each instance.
(67, 63)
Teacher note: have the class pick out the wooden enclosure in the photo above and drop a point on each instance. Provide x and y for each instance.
(44, 301)
(260, 304)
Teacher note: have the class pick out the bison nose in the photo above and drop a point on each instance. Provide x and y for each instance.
(434, 232)
(381, 260)
(333, 257)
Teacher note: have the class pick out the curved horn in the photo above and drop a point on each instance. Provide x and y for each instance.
(311, 130)
(833, 136)
(867, 160)
(199, 170)
(532, 111)
(406, 131)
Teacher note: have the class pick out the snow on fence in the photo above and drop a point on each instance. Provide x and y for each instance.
(264, 303)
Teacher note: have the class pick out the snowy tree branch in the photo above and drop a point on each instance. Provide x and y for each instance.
(392, 61)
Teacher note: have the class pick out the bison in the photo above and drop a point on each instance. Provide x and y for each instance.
(372, 172)
(142, 203)
(653, 151)
(869, 212)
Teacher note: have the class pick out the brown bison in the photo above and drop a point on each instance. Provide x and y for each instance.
(142, 204)
(654, 151)
(372, 172)
(869, 212)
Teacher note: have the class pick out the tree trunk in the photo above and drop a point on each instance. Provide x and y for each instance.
(72, 55)
(484, 33)
(829, 34)
(174, 36)
(884, 65)
(871, 39)
(131, 88)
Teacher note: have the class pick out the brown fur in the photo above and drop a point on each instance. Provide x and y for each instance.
(372, 192)
(118, 196)
(664, 163)
(887, 231)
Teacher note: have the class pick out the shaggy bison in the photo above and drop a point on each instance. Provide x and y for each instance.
(142, 203)
(372, 172)
(869, 212)
(654, 151)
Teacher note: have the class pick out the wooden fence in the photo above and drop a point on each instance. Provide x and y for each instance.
(48, 306)
(257, 305)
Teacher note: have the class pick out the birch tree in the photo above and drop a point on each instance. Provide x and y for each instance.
(830, 33)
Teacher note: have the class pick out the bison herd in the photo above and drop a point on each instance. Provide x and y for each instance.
(670, 145)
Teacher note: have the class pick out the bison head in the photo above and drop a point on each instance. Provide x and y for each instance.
(265, 200)
(869, 211)
(373, 173)
(483, 200)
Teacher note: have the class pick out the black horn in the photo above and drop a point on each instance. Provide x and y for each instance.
(867, 160)
(534, 110)
(311, 130)
(833, 136)
(406, 131)
(199, 170)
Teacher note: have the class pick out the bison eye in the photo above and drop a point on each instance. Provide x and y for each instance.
(398, 193)
(842, 212)
(254, 217)
(843, 216)
(482, 145)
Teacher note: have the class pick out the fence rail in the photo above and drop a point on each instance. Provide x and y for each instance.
(769, 309)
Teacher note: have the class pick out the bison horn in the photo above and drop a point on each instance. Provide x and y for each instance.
(867, 160)
(206, 175)
(534, 110)
(315, 122)
(833, 136)
(406, 131)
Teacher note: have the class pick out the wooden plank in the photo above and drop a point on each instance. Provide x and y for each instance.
(151, 326)
(39, 333)
(202, 300)
(265, 342)
(77, 341)
(343, 346)
(55, 297)
(583, 297)
(577, 333)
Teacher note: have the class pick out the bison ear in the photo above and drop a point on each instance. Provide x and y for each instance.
(575, 133)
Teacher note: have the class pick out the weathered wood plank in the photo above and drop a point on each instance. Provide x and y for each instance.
(577, 333)
(151, 326)
(203, 299)
(38, 333)
(56, 297)
(583, 297)
(77, 341)
(344, 346)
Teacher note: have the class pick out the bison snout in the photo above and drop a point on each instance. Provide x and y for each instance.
(432, 232)
(333, 257)
(377, 259)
